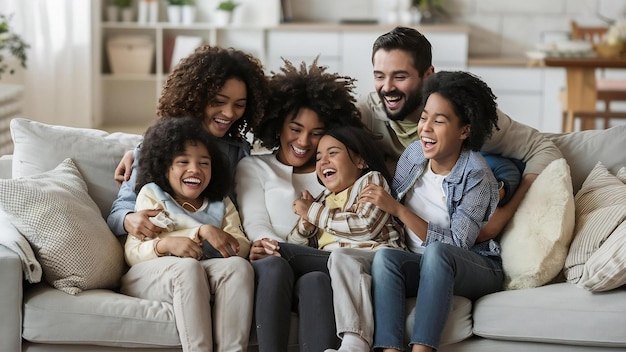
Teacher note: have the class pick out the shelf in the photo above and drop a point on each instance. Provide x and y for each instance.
(129, 77)
(167, 25)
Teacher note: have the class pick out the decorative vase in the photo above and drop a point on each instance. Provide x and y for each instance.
(174, 13)
(113, 13)
(223, 18)
(142, 11)
(153, 11)
(128, 14)
(188, 14)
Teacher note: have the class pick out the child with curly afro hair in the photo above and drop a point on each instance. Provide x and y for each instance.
(445, 193)
(198, 262)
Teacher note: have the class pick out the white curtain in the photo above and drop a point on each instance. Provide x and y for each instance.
(57, 81)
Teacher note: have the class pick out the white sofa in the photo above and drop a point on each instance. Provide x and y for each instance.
(37, 317)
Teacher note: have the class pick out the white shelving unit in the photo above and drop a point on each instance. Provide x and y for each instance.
(128, 102)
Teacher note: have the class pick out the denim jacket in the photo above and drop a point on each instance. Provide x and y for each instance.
(472, 197)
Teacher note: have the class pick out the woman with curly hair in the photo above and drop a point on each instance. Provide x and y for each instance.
(304, 103)
(201, 245)
(445, 192)
(227, 90)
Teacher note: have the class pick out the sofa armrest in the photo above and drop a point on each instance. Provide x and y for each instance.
(11, 291)
(6, 164)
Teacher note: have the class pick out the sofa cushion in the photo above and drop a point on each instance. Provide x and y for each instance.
(97, 317)
(600, 209)
(583, 149)
(536, 240)
(39, 147)
(72, 242)
(556, 313)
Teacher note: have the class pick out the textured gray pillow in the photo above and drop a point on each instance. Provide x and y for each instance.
(65, 229)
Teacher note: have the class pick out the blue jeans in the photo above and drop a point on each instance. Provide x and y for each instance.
(296, 281)
(433, 277)
(509, 171)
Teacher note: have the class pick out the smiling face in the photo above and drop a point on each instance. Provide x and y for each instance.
(336, 166)
(226, 107)
(441, 134)
(298, 140)
(190, 174)
(398, 83)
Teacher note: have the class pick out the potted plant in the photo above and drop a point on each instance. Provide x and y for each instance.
(224, 13)
(11, 42)
(180, 10)
(227, 5)
(125, 6)
(431, 11)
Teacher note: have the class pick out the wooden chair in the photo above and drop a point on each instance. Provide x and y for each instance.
(608, 90)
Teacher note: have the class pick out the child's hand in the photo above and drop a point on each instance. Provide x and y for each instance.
(301, 206)
(179, 246)
(307, 225)
(379, 197)
(264, 248)
(221, 240)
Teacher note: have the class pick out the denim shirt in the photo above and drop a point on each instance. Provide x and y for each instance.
(234, 150)
(472, 197)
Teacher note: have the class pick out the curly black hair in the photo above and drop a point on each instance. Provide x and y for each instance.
(165, 140)
(472, 100)
(329, 95)
(409, 40)
(197, 79)
(359, 141)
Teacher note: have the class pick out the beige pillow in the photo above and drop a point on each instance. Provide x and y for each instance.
(71, 240)
(606, 268)
(621, 174)
(535, 241)
(40, 147)
(600, 209)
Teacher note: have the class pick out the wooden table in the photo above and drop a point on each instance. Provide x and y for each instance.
(581, 83)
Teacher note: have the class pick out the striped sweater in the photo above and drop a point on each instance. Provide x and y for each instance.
(356, 224)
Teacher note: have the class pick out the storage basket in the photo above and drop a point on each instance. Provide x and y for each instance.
(130, 54)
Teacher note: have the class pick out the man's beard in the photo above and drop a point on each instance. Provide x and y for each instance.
(412, 102)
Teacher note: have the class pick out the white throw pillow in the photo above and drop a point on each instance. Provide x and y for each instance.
(39, 147)
(600, 209)
(71, 240)
(535, 241)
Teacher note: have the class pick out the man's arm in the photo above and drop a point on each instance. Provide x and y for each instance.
(503, 214)
(519, 141)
